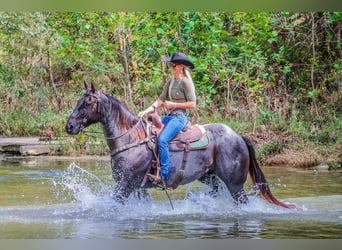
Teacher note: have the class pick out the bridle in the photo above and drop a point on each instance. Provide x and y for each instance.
(96, 102)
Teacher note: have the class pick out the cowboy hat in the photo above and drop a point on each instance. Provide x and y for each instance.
(179, 57)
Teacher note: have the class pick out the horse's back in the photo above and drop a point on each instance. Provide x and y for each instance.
(228, 144)
(222, 132)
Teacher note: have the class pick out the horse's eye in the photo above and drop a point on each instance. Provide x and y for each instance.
(88, 101)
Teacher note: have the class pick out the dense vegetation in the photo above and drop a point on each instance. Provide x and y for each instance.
(274, 76)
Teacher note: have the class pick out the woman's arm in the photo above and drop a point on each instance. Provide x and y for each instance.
(183, 105)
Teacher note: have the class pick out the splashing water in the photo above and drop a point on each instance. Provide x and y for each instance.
(82, 187)
(93, 197)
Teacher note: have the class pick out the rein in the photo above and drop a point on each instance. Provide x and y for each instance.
(125, 133)
(97, 105)
(131, 145)
(128, 146)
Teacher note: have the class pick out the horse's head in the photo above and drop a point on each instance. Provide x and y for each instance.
(86, 112)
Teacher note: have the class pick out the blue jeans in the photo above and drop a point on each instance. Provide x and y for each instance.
(173, 125)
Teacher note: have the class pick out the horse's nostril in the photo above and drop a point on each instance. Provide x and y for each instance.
(69, 126)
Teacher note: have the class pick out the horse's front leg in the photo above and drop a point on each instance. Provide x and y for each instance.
(129, 173)
(142, 194)
(122, 191)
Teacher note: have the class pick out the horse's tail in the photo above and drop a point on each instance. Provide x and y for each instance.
(258, 177)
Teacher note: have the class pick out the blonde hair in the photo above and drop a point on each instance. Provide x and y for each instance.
(187, 73)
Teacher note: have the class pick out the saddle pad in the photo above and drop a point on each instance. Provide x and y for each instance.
(201, 143)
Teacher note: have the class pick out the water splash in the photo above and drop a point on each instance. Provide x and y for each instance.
(93, 197)
(82, 187)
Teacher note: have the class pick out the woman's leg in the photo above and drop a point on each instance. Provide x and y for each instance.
(173, 125)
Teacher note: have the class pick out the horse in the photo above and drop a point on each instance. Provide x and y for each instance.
(228, 158)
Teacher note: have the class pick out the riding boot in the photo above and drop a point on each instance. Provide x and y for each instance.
(155, 179)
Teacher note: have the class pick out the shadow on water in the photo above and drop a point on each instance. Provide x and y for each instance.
(63, 200)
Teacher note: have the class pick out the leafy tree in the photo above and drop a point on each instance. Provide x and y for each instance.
(273, 69)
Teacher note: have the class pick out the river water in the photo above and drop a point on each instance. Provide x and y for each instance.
(54, 198)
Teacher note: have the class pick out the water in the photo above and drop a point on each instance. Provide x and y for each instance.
(43, 198)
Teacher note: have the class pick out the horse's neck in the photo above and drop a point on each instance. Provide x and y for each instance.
(116, 120)
(110, 132)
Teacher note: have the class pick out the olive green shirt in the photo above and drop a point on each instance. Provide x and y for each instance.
(180, 91)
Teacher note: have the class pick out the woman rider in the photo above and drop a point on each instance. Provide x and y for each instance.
(177, 96)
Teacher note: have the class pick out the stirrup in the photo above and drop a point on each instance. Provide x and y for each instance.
(155, 179)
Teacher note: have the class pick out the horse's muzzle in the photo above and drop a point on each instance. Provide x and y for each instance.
(71, 129)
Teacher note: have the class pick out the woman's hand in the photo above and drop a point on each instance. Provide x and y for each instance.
(159, 103)
(144, 112)
(152, 108)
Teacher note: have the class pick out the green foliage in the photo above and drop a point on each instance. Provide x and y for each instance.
(335, 165)
(281, 70)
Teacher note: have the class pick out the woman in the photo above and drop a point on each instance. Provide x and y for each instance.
(180, 92)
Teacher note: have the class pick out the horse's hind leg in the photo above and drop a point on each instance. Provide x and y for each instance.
(238, 194)
(234, 176)
(236, 190)
(212, 181)
(232, 165)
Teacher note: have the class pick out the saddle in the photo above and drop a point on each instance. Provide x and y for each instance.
(192, 137)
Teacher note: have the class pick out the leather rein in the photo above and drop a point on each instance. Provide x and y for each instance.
(130, 145)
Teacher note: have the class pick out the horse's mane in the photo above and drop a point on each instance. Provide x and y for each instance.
(116, 112)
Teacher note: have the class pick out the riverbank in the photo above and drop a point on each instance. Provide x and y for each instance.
(272, 150)
(283, 149)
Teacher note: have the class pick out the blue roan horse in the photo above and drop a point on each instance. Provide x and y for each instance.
(228, 157)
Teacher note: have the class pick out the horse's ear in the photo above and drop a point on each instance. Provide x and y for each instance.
(93, 88)
(86, 85)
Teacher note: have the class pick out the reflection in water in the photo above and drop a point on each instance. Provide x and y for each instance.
(74, 201)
